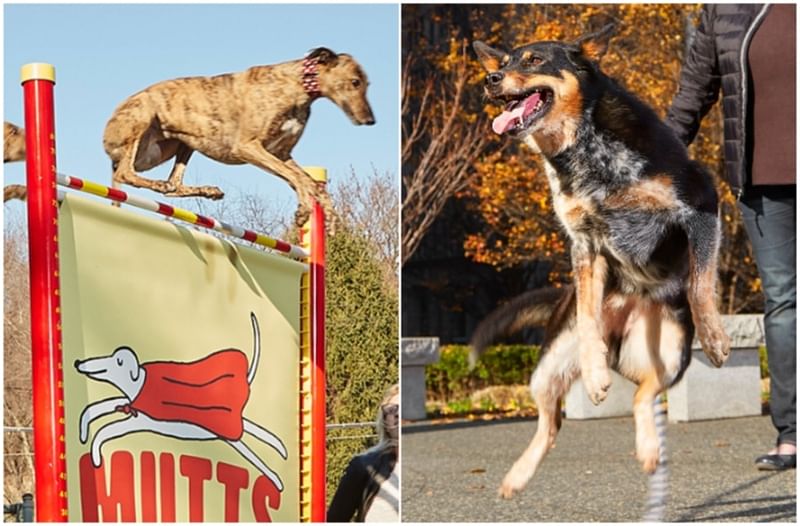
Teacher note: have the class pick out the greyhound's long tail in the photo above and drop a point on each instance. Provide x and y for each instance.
(251, 373)
(530, 309)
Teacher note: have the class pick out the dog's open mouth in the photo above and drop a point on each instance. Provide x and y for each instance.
(523, 111)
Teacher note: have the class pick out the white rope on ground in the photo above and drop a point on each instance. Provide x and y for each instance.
(659, 481)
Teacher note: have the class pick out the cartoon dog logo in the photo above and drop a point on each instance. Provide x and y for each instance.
(200, 400)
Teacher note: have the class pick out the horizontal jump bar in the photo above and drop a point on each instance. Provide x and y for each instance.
(184, 215)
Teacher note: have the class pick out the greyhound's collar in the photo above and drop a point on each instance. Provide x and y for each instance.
(311, 78)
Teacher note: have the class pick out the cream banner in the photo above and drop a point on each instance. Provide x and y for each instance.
(181, 372)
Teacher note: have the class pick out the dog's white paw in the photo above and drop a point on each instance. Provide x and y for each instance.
(597, 381)
(515, 480)
(647, 452)
(508, 488)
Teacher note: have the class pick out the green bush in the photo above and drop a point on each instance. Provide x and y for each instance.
(362, 345)
(451, 379)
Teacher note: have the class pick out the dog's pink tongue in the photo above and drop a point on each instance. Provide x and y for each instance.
(505, 121)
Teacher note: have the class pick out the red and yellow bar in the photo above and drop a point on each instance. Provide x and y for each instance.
(184, 215)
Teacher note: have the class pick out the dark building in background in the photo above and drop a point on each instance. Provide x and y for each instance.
(444, 293)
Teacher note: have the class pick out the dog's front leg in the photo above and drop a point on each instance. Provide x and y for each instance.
(94, 411)
(319, 193)
(253, 152)
(590, 274)
(704, 233)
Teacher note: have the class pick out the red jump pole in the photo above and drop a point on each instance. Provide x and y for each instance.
(48, 402)
(318, 384)
(318, 363)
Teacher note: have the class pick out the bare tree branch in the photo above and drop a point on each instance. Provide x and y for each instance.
(440, 145)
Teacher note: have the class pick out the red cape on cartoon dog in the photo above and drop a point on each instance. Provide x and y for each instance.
(210, 392)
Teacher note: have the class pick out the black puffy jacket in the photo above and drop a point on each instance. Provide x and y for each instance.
(718, 58)
(360, 483)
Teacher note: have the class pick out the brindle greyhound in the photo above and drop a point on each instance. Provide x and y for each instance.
(251, 117)
(13, 150)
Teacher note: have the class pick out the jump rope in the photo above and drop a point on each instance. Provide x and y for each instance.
(658, 483)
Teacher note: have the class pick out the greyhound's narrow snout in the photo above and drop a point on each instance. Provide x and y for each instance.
(360, 118)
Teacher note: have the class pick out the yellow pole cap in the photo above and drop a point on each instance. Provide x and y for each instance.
(38, 71)
(317, 173)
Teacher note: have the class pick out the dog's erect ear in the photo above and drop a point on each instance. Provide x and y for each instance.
(489, 58)
(323, 55)
(594, 45)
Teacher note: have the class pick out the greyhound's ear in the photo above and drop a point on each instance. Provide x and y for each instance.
(490, 58)
(323, 55)
(594, 45)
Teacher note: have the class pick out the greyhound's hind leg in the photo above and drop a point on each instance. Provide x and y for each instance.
(175, 182)
(146, 149)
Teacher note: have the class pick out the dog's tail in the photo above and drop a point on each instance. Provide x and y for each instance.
(530, 309)
(251, 373)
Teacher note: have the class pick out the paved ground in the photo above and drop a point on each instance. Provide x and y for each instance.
(451, 473)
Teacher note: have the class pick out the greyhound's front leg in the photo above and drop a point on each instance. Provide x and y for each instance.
(254, 153)
(95, 411)
(318, 192)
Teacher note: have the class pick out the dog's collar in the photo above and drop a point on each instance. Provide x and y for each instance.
(311, 78)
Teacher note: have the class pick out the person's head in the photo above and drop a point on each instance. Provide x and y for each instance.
(388, 418)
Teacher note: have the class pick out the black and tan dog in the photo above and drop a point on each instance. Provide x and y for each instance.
(642, 220)
(253, 117)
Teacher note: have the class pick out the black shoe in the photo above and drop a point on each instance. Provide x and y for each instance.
(776, 462)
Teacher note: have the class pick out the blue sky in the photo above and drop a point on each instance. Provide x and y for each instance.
(104, 53)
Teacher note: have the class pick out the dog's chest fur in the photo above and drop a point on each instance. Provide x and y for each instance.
(607, 199)
(284, 131)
